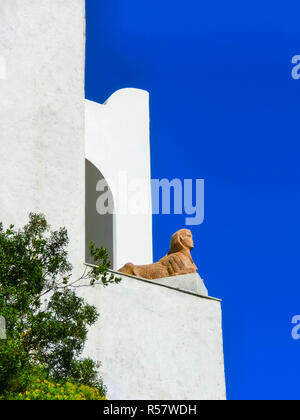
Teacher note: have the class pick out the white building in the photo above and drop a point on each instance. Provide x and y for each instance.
(55, 147)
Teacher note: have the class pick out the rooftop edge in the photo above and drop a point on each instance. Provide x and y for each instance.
(156, 282)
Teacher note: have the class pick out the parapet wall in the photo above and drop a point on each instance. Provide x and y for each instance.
(157, 342)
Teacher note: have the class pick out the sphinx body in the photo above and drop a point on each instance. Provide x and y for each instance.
(178, 260)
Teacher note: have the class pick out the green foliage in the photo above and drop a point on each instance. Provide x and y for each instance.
(99, 271)
(45, 390)
(46, 322)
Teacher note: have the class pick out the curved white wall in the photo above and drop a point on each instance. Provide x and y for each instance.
(117, 143)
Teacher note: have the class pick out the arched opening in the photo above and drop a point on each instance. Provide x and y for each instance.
(98, 227)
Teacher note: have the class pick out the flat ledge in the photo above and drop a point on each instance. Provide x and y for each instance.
(158, 284)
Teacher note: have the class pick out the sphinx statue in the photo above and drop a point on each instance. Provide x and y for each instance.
(178, 260)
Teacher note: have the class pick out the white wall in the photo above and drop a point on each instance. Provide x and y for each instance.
(117, 143)
(155, 342)
(42, 115)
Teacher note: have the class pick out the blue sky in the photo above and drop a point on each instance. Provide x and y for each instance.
(225, 108)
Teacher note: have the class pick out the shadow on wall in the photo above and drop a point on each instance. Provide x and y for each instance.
(98, 228)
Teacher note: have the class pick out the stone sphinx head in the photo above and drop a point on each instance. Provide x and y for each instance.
(181, 240)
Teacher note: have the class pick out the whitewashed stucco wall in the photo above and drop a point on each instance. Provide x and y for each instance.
(156, 342)
(42, 115)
